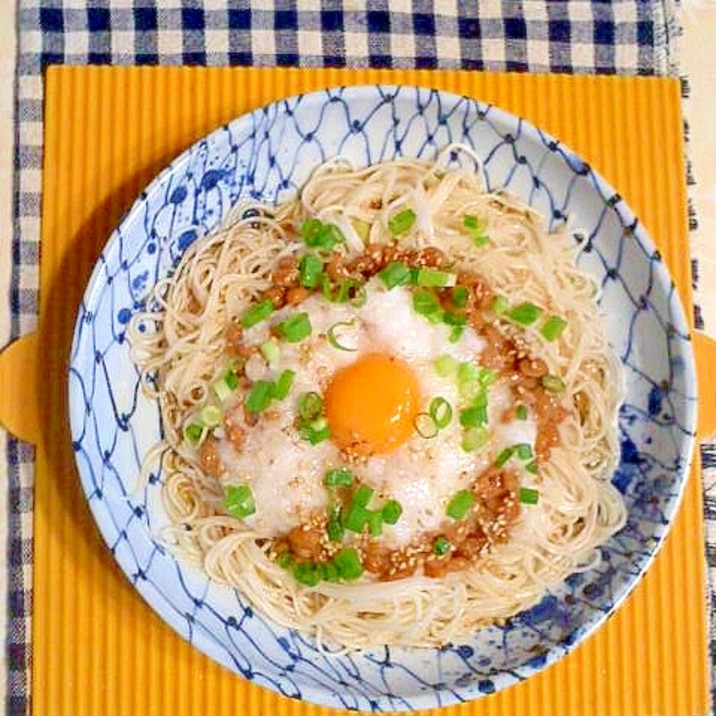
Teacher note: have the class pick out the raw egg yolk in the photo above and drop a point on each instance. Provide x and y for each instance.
(371, 404)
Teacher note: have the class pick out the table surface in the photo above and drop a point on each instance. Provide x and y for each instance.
(697, 60)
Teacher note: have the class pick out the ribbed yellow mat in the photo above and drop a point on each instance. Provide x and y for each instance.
(98, 649)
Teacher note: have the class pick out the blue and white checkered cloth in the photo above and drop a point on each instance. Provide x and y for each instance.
(634, 37)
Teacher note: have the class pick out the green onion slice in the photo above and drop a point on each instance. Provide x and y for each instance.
(239, 501)
(401, 222)
(347, 560)
(282, 386)
(441, 545)
(473, 417)
(532, 467)
(259, 398)
(553, 383)
(295, 328)
(475, 438)
(524, 314)
(334, 338)
(445, 366)
(355, 518)
(521, 412)
(396, 273)
(362, 495)
(316, 431)
(425, 302)
(307, 573)
(211, 416)
(436, 278)
(440, 411)
(334, 528)
(193, 432)
(425, 426)
(552, 328)
(460, 504)
(270, 350)
(476, 229)
(338, 477)
(500, 304)
(391, 512)
(524, 451)
(528, 496)
(504, 456)
(375, 523)
(459, 296)
(310, 270)
(456, 334)
(257, 313)
(310, 406)
(317, 235)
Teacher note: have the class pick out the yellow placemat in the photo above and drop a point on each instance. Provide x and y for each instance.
(97, 647)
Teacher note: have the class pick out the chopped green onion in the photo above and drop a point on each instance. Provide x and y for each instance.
(524, 451)
(310, 405)
(355, 518)
(456, 334)
(283, 385)
(454, 319)
(553, 383)
(338, 477)
(425, 426)
(425, 302)
(296, 327)
(231, 378)
(362, 495)
(396, 273)
(524, 314)
(310, 270)
(270, 350)
(257, 313)
(468, 380)
(222, 390)
(259, 397)
(316, 431)
(487, 376)
(528, 496)
(500, 304)
(440, 411)
(375, 523)
(334, 340)
(317, 235)
(460, 504)
(445, 366)
(521, 412)
(532, 467)
(504, 456)
(401, 222)
(285, 560)
(329, 572)
(441, 545)
(239, 501)
(552, 328)
(475, 438)
(459, 296)
(435, 277)
(348, 563)
(211, 416)
(307, 573)
(391, 512)
(477, 230)
(362, 228)
(193, 432)
(473, 417)
(334, 528)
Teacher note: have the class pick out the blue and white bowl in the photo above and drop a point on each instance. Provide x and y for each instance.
(267, 155)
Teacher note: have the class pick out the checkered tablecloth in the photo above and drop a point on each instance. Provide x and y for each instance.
(635, 37)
